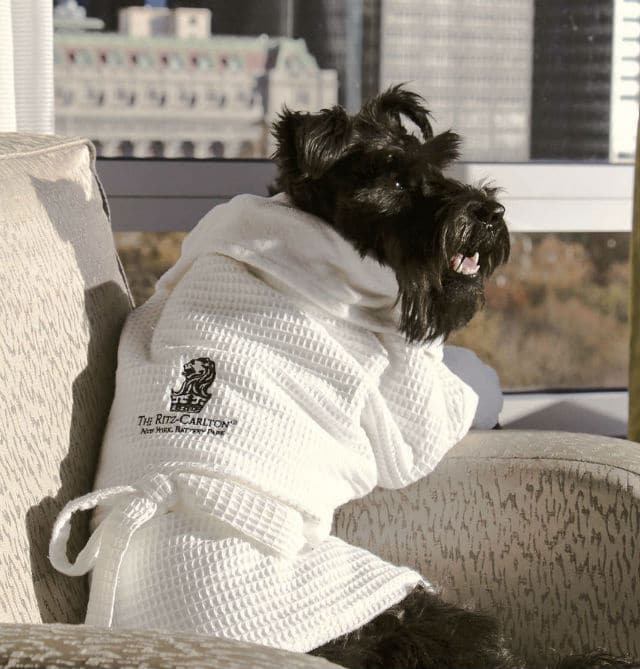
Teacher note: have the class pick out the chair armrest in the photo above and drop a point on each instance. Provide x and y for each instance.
(540, 528)
(71, 646)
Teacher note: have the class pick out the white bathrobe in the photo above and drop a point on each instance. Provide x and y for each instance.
(215, 500)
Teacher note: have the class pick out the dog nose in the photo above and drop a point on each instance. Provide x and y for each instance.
(489, 213)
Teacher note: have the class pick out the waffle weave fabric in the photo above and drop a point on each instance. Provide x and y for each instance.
(262, 386)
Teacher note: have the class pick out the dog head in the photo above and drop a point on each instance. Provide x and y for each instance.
(383, 189)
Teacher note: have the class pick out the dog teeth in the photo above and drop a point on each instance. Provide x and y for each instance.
(467, 265)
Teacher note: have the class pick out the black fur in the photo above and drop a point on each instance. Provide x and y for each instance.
(383, 189)
(424, 632)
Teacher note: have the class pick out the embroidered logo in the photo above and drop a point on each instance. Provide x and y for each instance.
(199, 374)
(189, 399)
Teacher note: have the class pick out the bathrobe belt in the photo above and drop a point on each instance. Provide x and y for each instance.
(275, 525)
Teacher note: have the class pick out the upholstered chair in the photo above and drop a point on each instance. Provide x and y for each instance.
(540, 527)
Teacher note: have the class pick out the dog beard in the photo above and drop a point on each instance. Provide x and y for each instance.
(429, 311)
(435, 300)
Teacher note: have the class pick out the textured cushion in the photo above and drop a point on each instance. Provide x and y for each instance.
(62, 304)
(539, 527)
(53, 646)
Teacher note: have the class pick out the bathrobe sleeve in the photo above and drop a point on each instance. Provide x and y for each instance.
(416, 412)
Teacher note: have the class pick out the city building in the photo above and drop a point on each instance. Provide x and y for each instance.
(518, 79)
(70, 16)
(454, 53)
(345, 37)
(163, 86)
(625, 81)
(572, 75)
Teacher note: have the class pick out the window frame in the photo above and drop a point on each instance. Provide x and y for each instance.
(169, 195)
(172, 194)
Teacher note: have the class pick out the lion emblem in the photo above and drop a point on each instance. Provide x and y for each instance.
(195, 391)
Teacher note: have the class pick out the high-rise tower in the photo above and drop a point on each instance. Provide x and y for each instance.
(472, 63)
(571, 96)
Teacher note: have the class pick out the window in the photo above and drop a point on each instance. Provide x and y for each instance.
(126, 149)
(559, 302)
(544, 93)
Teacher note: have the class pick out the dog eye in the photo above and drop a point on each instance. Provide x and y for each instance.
(398, 184)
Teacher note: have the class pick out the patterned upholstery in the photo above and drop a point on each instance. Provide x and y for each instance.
(542, 528)
(63, 301)
(66, 646)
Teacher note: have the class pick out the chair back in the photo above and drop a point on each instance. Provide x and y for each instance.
(63, 300)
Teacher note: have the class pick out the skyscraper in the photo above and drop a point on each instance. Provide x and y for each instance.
(472, 63)
(625, 81)
(344, 37)
(571, 97)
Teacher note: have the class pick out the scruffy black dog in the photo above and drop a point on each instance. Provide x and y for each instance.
(383, 189)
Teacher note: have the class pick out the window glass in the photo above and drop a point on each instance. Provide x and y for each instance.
(146, 256)
(518, 79)
(556, 314)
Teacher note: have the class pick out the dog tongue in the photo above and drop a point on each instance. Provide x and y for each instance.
(465, 264)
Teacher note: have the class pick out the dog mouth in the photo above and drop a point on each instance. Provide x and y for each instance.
(466, 265)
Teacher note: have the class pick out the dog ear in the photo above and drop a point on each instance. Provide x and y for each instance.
(396, 102)
(441, 150)
(307, 145)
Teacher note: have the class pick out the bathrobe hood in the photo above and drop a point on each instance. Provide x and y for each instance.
(297, 254)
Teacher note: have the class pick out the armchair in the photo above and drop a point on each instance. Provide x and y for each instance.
(540, 527)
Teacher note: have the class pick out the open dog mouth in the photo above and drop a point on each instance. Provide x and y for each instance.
(467, 265)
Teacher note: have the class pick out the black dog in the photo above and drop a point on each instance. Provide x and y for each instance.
(383, 190)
